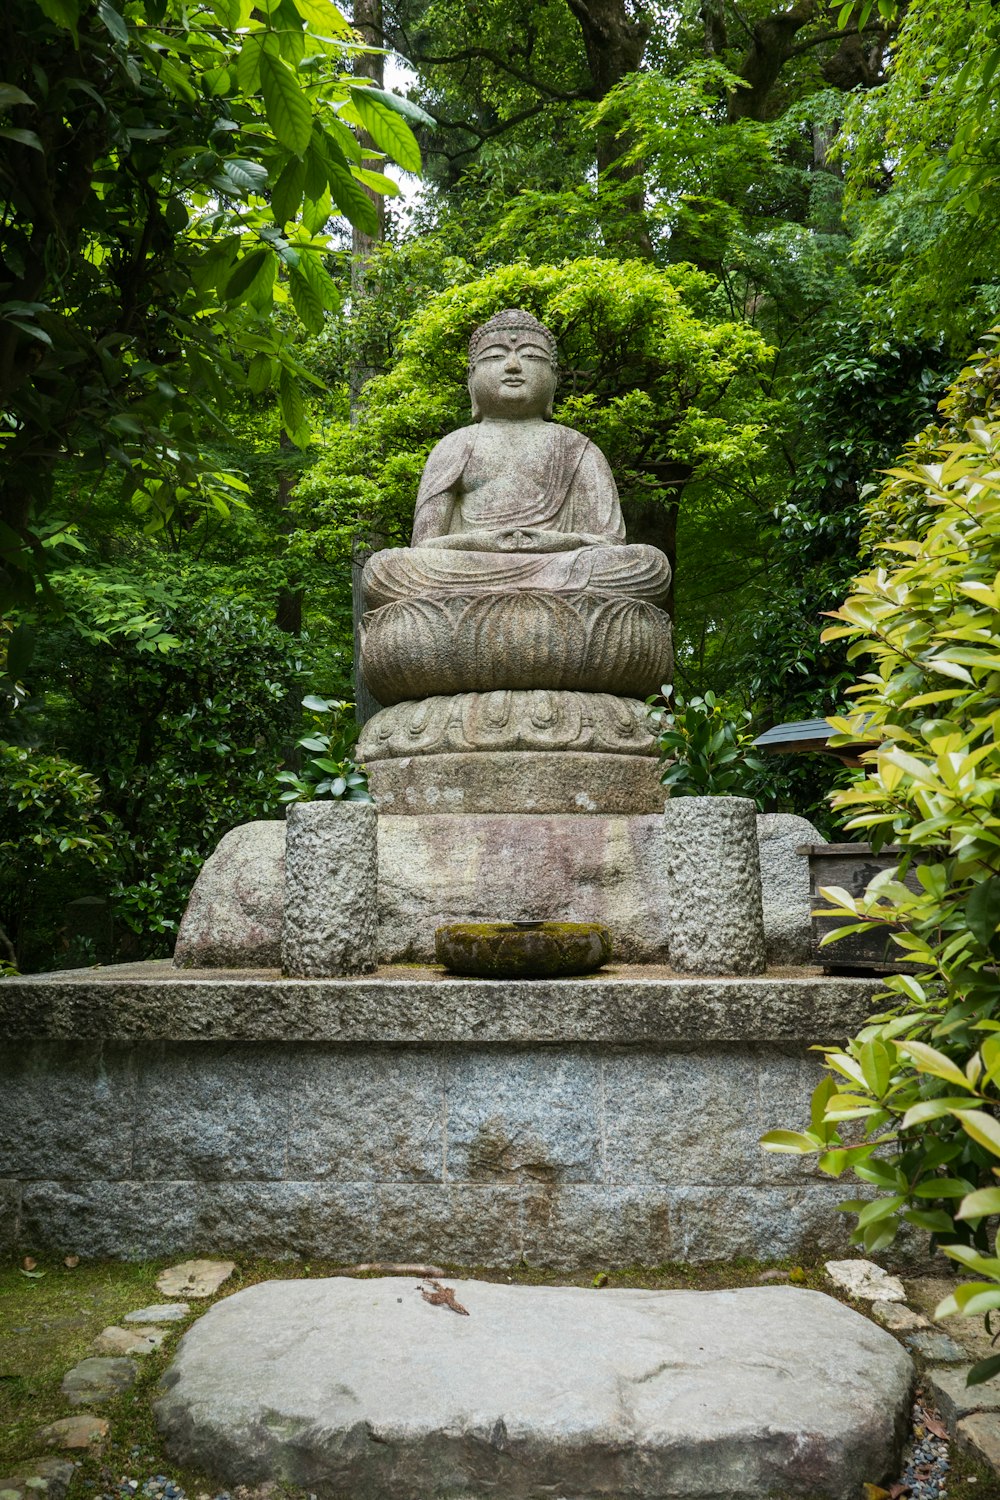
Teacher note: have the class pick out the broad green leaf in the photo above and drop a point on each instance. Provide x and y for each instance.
(982, 1127)
(982, 910)
(292, 407)
(352, 200)
(794, 1142)
(287, 107)
(324, 16)
(11, 95)
(65, 13)
(287, 194)
(419, 116)
(22, 137)
(387, 128)
(983, 1202)
(245, 273)
(929, 1060)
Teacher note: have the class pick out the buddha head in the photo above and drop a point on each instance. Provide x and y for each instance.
(513, 367)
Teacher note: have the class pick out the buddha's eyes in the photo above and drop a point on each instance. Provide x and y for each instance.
(501, 351)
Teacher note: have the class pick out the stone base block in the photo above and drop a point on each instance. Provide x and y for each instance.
(518, 781)
(378, 1389)
(518, 867)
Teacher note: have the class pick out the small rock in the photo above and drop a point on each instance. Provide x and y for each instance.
(955, 1399)
(980, 1433)
(865, 1281)
(936, 1347)
(898, 1318)
(129, 1340)
(194, 1278)
(95, 1381)
(42, 1479)
(82, 1431)
(160, 1312)
(773, 1276)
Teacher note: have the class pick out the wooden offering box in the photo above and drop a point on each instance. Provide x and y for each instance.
(852, 867)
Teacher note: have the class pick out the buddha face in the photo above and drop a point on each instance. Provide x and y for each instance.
(512, 377)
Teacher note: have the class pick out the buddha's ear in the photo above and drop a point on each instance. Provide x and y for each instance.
(552, 397)
(477, 415)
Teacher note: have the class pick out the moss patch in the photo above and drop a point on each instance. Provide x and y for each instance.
(513, 950)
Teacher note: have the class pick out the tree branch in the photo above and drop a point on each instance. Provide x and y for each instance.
(471, 54)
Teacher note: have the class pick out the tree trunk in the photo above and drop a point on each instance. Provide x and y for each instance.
(288, 609)
(770, 47)
(615, 43)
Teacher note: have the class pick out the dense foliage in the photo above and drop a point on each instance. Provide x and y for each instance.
(765, 236)
(923, 1079)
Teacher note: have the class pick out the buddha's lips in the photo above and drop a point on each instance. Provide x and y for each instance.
(512, 380)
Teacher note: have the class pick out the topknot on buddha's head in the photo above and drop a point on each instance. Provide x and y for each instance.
(513, 320)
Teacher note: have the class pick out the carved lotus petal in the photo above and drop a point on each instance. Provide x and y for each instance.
(416, 648)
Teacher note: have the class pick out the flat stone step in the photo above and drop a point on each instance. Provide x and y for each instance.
(368, 1389)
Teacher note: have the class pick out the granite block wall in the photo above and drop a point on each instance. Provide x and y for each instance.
(562, 1155)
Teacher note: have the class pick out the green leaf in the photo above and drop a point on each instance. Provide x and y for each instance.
(113, 22)
(791, 1141)
(420, 116)
(929, 1060)
(245, 274)
(292, 406)
(11, 95)
(983, 1128)
(325, 18)
(387, 128)
(984, 1370)
(260, 373)
(65, 13)
(983, 1202)
(287, 107)
(287, 194)
(22, 137)
(306, 301)
(316, 705)
(351, 198)
(982, 910)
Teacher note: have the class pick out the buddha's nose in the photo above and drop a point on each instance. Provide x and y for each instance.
(513, 361)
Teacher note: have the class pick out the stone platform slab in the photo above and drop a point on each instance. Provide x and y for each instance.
(366, 1388)
(518, 781)
(594, 1121)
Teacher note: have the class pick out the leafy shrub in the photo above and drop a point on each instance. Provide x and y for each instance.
(330, 772)
(923, 1079)
(51, 825)
(703, 747)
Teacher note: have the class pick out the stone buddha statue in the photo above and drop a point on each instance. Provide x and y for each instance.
(519, 620)
(515, 501)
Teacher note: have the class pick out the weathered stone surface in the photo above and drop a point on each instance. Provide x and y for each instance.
(233, 918)
(522, 950)
(10, 1213)
(898, 1318)
(458, 643)
(41, 1479)
(95, 1381)
(518, 781)
(194, 1278)
(153, 1003)
(84, 1432)
(160, 1312)
(784, 884)
(129, 1340)
(640, 572)
(522, 867)
(935, 1347)
(331, 889)
(865, 1281)
(712, 878)
(956, 1400)
(40, 1092)
(980, 1434)
(625, 1392)
(527, 720)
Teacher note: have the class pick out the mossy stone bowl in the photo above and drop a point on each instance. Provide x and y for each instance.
(522, 950)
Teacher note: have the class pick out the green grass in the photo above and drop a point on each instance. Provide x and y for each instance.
(49, 1323)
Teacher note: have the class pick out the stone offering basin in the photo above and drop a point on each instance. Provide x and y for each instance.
(522, 950)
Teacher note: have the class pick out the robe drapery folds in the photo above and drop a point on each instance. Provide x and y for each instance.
(576, 493)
